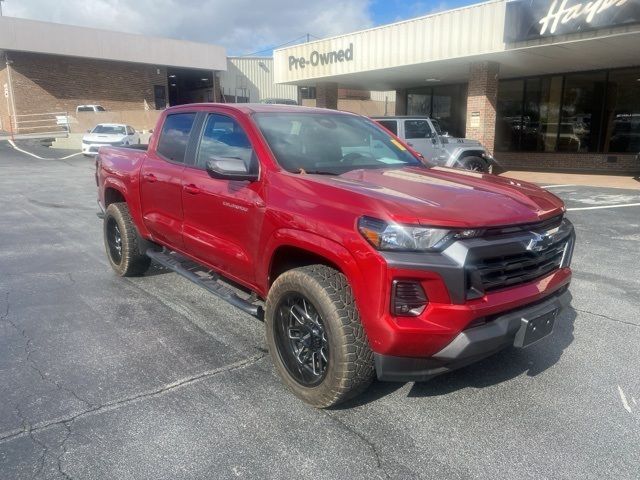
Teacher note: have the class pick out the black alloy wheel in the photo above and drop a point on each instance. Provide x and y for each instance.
(114, 240)
(301, 340)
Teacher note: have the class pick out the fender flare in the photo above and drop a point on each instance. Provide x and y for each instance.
(334, 252)
(136, 214)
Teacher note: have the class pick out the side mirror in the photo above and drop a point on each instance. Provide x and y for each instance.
(88, 130)
(230, 168)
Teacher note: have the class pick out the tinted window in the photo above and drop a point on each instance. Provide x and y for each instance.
(390, 125)
(85, 109)
(223, 137)
(623, 112)
(417, 129)
(174, 137)
(100, 109)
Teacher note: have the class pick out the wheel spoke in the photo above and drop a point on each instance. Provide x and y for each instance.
(302, 341)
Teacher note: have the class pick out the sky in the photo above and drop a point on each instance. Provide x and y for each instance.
(241, 26)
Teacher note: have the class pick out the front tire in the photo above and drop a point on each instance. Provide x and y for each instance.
(475, 164)
(121, 242)
(315, 337)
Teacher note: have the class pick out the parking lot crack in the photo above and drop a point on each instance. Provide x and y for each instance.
(28, 350)
(118, 403)
(617, 320)
(372, 446)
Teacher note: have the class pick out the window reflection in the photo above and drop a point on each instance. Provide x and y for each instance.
(578, 112)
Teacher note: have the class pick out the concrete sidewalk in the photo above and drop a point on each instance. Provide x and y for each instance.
(549, 178)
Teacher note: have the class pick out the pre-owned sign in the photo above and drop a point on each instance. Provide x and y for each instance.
(316, 58)
(526, 20)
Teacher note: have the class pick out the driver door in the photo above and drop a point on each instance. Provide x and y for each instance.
(222, 218)
(418, 135)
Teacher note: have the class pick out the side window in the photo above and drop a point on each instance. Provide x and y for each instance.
(174, 137)
(224, 137)
(129, 130)
(100, 108)
(416, 129)
(390, 125)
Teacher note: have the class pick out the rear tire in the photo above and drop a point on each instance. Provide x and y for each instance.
(325, 359)
(475, 164)
(121, 242)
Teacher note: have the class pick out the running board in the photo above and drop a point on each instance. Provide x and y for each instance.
(205, 278)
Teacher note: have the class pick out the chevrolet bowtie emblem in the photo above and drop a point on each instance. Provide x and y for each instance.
(539, 242)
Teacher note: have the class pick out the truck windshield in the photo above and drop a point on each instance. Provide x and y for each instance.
(331, 144)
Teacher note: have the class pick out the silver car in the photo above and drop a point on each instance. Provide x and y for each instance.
(424, 135)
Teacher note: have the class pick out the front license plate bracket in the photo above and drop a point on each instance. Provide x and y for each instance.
(534, 329)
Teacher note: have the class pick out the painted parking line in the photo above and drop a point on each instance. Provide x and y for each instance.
(557, 186)
(599, 207)
(15, 147)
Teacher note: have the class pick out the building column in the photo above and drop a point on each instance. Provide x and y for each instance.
(401, 101)
(481, 103)
(327, 95)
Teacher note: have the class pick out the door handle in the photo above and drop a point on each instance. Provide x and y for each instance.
(150, 177)
(192, 189)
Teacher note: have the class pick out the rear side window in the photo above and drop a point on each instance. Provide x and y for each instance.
(174, 137)
(390, 125)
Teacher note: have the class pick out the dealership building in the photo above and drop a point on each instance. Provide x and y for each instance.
(49, 68)
(543, 84)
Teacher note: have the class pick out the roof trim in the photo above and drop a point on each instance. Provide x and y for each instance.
(22, 35)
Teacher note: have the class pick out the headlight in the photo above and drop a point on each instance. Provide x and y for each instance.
(391, 236)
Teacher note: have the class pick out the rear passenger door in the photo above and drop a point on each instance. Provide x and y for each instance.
(222, 218)
(161, 180)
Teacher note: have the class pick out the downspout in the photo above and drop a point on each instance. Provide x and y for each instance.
(11, 100)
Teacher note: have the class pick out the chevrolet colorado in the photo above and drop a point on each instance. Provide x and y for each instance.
(361, 259)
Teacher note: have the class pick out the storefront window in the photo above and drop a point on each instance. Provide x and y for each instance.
(623, 112)
(509, 115)
(582, 105)
(449, 106)
(445, 103)
(542, 108)
(577, 112)
(419, 102)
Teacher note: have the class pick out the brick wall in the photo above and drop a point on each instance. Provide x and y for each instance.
(481, 103)
(600, 162)
(327, 95)
(48, 83)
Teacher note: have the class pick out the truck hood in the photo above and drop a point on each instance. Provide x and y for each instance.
(447, 197)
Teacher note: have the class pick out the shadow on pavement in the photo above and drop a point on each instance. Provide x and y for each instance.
(504, 365)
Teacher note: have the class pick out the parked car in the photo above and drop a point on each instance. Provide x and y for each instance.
(64, 121)
(361, 259)
(112, 134)
(90, 108)
(424, 135)
(279, 101)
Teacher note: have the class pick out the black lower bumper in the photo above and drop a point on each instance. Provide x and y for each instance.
(469, 346)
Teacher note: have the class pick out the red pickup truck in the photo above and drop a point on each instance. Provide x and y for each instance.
(361, 259)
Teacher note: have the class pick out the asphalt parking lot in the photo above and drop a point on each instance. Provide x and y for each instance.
(151, 377)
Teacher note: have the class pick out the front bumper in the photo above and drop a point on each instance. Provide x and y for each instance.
(467, 347)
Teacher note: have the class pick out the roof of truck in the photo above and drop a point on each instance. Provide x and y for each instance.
(249, 108)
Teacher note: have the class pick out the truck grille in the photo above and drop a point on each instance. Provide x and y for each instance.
(509, 270)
